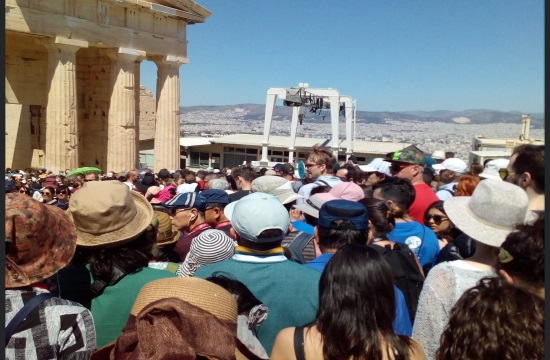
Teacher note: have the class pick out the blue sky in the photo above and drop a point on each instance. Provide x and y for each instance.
(393, 55)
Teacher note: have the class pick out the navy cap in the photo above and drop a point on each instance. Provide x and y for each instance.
(187, 200)
(343, 210)
(215, 196)
(277, 167)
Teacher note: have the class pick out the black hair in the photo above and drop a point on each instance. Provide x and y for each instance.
(341, 233)
(357, 302)
(244, 297)
(381, 216)
(399, 190)
(130, 256)
(530, 158)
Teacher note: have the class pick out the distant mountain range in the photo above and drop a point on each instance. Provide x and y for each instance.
(472, 116)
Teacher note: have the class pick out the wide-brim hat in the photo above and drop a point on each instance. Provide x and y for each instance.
(311, 206)
(108, 213)
(41, 238)
(276, 186)
(491, 213)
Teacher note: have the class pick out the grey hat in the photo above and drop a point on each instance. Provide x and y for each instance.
(491, 213)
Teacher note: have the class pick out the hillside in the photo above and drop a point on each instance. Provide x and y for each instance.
(471, 116)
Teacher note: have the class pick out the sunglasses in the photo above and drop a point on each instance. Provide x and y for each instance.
(397, 167)
(173, 212)
(503, 173)
(311, 165)
(438, 219)
(46, 193)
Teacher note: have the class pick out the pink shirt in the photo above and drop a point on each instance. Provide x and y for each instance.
(164, 194)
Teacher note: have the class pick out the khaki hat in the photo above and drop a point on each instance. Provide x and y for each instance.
(167, 233)
(107, 213)
(41, 238)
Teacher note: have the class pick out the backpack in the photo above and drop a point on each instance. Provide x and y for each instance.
(297, 245)
(407, 275)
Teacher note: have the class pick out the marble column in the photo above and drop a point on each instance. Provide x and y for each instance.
(61, 150)
(122, 143)
(167, 128)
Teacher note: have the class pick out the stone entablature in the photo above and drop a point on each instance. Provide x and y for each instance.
(72, 79)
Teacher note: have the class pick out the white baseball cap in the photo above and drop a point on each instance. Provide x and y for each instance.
(454, 164)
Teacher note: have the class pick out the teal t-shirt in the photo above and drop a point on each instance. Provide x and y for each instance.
(112, 308)
(290, 291)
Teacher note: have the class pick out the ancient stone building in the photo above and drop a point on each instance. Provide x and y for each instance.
(72, 80)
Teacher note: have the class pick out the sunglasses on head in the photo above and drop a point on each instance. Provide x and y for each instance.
(438, 219)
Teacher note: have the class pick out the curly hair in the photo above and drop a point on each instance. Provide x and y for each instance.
(522, 254)
(466, 185)
(494, 320)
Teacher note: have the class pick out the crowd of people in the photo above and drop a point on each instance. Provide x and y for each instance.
(406, 257)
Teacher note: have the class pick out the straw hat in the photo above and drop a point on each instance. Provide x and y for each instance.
(107, 213)
(196, 292)
(491, 213)
(167, 233)
(41, 238)
(199, 292)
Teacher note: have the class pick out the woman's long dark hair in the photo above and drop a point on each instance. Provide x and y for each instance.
(453, 230)
(357, 306)
(381, 215)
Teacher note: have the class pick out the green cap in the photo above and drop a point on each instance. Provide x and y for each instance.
(409, 155)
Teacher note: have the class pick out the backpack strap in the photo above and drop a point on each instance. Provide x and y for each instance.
(23, 313)
(322, 181)
(299, 343)
(298, 244)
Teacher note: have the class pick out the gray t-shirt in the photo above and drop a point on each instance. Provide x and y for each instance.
(445, 284)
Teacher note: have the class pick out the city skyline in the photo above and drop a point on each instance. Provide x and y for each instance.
(397, 56)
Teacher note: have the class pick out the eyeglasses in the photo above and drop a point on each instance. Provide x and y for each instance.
(311, 165)
(173, 212)
(503, 173)
(438, 219)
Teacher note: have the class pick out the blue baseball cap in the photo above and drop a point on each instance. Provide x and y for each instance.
(215, 196)
(189, 200)
(343, 210)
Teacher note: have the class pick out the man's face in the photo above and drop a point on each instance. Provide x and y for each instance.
(342, 173)
(403, 171)
(445, 176)
(313, 169)
(207, 178)
(211, 215)
(181, 218)
(512, 177)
